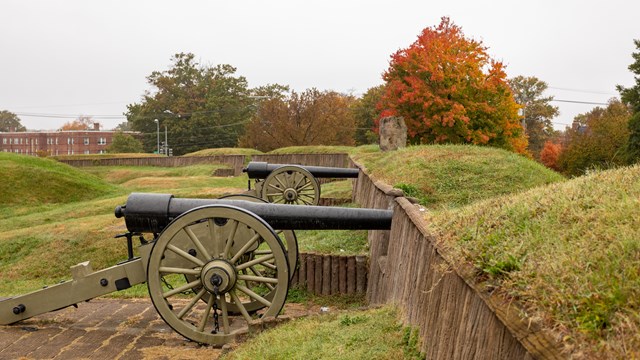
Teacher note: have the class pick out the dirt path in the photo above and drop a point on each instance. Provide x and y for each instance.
(105, 329)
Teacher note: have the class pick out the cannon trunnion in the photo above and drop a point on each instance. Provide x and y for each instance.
(214, 267)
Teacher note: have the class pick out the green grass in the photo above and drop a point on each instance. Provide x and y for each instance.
(568, 253)
(103, 156)
(224, 151)
(337, 189)
(366, 334)
(30, 181)
(326, 149)
(443, 176)
(343, 242)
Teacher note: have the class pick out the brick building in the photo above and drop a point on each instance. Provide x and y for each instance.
(53, 143)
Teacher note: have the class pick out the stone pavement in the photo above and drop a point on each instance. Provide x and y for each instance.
(104, 329)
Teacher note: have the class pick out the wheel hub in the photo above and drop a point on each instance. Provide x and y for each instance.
(290, 194)
(218, 273)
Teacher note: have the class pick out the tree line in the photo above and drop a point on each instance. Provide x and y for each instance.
(445, 86)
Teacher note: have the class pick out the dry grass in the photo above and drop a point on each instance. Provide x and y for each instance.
(568, 253)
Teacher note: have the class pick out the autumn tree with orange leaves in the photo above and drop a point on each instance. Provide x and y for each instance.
(550, 154)
(312, 117)
(81, 123)
(449, 90)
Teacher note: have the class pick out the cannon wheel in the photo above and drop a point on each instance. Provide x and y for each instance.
(291, 242)
(291, 184)
(219, 272)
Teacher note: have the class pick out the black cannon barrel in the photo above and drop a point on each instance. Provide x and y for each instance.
(260, 170)
(146, 212)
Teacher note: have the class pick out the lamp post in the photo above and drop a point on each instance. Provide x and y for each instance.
(166, 142)
(158, 132)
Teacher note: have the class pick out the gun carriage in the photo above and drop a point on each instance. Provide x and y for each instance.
(292, 184)
(213, 268)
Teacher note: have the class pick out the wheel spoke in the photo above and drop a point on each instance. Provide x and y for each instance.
(305, 186)
(253, 295)
(280, 181)
(197, 243)
(245, 248)
(302, 178)
(263, 252)
(225, 315)
(275, 188)
(215, 234)
(270, 266)
(232, 235)
(193, 301)
(185, 255)
(261, 279)
(203, 320)
(260, 260)
(182, 288)
(241, 307)
(173, 270)
(258, 273)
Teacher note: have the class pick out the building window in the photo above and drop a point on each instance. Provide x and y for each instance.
(36, 141)
(86, 152)
(86, 141)
(102, 151)
(56, 142)
(4, 141)
(102, 141)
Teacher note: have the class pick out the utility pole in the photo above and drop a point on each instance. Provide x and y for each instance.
(166, 142)
(158, 132)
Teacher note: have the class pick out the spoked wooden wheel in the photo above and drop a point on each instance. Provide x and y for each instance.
(290, 241)
(223, 265)
(291, 185)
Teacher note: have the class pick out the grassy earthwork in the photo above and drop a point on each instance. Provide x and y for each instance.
(566, 252)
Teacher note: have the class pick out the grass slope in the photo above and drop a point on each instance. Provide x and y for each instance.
(28, 181)
(224, 151)
(320, 149)
(569, 253)
(455, 175)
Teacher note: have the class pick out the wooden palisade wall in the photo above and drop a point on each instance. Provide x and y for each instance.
(455, 318)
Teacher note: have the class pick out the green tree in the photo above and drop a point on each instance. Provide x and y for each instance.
(124, 143)
(10, 122)
(597, 139)
(200, 106)
(366, 112)
(312, 117)
(631, 97)
(538, 113)
(449, 90)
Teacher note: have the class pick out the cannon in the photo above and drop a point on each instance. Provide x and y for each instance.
(291, 184)
(213, 268)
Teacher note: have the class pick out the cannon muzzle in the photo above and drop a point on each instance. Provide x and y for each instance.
(260, 170)
(145, 212)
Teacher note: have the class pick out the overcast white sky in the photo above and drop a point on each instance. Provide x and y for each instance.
(78, 57)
